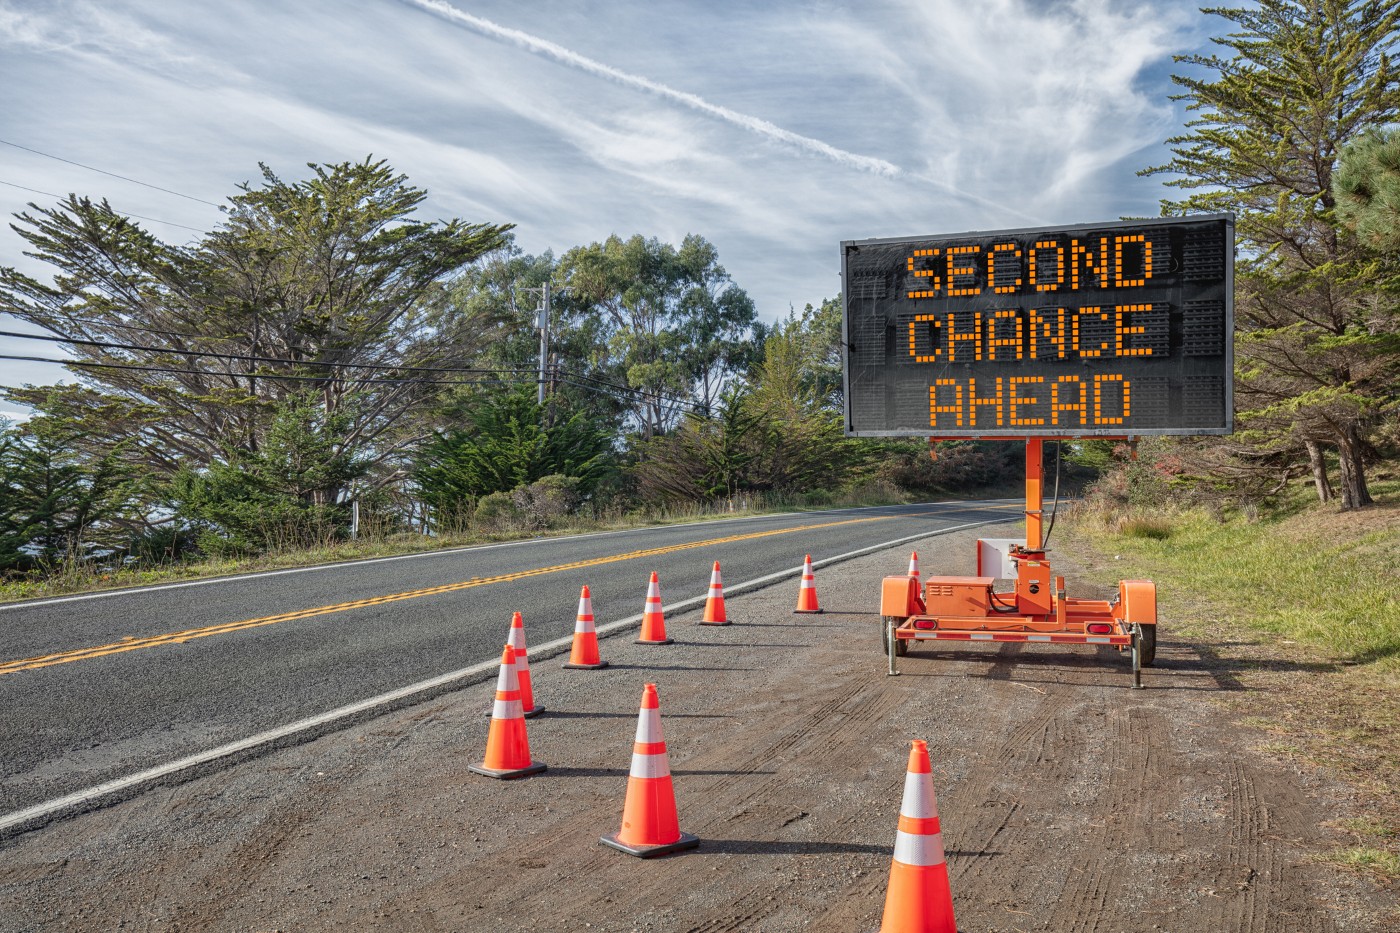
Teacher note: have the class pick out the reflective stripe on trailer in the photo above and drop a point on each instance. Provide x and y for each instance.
(1056, 638)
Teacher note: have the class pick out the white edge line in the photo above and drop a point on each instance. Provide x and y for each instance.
(337, 565)
(18, 821)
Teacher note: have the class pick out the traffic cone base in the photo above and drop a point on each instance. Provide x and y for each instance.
(584, 667)
(687, 841)
(534, 767)
(719, 622)
(652, 641)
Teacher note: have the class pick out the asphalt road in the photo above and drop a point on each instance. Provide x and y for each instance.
(94, 688)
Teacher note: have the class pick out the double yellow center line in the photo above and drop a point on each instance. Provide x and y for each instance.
(176, 638)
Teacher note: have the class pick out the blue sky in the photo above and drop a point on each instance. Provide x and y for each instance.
(775, 130)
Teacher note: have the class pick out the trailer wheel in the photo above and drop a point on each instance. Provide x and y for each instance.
(1147, 645)
(901, 647)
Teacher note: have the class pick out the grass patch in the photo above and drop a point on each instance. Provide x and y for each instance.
(1322, 579)
(1367, 859)
(1156, 529)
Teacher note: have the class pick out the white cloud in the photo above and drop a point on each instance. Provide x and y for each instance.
(980, 116)
(573, 59)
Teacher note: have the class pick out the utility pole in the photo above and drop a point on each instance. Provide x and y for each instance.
(543, 324)
(542, 318)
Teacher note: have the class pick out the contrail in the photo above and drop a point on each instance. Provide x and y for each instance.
(592, 66)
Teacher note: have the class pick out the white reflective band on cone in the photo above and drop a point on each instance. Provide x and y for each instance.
(650, 766)
(918, 796)
(920, 851)
(649, 726)
(508, 709)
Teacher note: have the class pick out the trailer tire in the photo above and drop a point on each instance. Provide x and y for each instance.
(1147, 644)
(901, 647)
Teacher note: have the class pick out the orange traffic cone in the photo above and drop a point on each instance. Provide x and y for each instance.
(522, 667)
(914, 565)
(918, 899)
(653, 620)
(714, 603)
(650, 824)
(507, 746)
(807, 594)
(584, 654)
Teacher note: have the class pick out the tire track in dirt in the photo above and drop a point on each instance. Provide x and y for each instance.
(744, 798)
(768, 741)
(1089, 884)
(1255, 868)
(843, 739)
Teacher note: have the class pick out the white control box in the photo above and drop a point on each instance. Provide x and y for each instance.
(994, 557)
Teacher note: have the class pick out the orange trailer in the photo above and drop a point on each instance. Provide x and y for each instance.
(1035, 610)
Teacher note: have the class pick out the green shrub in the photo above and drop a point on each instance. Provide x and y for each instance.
(496, 512)
(542, 503)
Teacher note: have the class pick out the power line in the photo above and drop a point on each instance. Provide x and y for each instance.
(249, 358)
(50, 194)
(112, 174)
(497, 376)
(272, 376)
(658, 396)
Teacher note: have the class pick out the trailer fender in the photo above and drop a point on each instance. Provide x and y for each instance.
(1137, 602)
(899, 597)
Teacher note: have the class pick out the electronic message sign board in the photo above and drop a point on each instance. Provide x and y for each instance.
(1119, 328)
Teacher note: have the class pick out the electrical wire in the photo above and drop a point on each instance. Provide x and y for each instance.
(154, 220)
(675, 400)
(1055, 506)
(249, 358)
(578, 380)
(100, 171)
(272, 376)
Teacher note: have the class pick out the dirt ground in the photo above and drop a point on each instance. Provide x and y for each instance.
(1068, 802)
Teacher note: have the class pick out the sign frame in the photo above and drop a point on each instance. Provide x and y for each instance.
(852, 247)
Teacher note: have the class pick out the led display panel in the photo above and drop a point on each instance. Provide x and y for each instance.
(1110, 329)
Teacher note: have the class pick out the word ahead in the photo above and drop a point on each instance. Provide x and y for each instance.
(1108, 329)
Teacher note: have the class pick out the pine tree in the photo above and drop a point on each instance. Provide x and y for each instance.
(1305, 78)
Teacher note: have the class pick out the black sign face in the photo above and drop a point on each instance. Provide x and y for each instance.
(1092, 329)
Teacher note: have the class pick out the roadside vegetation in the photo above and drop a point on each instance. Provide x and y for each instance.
(1290, 605)
(326, 375)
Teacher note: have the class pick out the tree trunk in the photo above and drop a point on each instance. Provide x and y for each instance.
(1352, 469)
(1319, 472)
